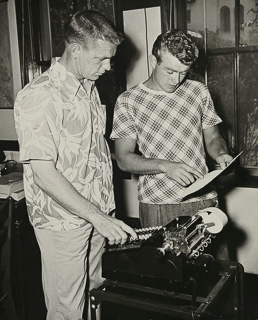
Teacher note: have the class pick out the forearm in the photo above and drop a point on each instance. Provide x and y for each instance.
(178, 171)
(62, 191)
(134, 163)
(128, 161)
(216, 148)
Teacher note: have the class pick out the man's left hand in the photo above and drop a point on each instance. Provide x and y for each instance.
(223, 160)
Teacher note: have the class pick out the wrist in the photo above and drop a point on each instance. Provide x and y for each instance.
(222, 153)
(161, 166)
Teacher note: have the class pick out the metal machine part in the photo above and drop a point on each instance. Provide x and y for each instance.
(162, 255)
(193, 236)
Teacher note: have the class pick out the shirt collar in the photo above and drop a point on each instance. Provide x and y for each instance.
(67, 83)
(159, 92)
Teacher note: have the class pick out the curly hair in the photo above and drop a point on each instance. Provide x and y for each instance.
(87, 26)
(178, 44)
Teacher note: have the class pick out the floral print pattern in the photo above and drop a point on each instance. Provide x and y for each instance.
(59, 118)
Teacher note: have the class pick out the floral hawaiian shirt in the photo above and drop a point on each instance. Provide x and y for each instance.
(60, 119)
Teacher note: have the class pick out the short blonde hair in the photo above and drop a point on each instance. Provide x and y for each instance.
(87, 26)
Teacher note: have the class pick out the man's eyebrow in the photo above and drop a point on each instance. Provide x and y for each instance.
(170, 69)
(103, 57)
(100, 56)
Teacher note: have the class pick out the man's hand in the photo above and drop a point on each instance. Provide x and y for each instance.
(181, 172)
(116, 231)
(52, 181)
(223, 160)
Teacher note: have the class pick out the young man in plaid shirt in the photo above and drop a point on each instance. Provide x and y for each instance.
(173, 121)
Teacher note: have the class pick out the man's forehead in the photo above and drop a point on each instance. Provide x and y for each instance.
(101, 47)
(99, 43)
(170, 61)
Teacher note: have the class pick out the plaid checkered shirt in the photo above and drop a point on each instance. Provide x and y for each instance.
(167, 126)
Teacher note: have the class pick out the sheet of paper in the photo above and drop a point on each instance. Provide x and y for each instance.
(200, 183)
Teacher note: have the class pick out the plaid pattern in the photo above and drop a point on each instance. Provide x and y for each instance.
(170, 127)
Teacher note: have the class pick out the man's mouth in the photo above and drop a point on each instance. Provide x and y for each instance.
(100, 73)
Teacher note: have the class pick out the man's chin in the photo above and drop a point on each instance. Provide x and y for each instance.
(94, 78)
(171, 89)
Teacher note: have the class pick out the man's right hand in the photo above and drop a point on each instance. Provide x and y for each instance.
(181, 172)
(52, 181)
(116, 231)
(129, 161)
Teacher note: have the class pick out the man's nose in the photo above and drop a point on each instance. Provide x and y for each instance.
(176, 77)
(107, 65)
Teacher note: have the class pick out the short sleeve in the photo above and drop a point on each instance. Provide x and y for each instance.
(37, 125)
(209, 115)
(123, 121)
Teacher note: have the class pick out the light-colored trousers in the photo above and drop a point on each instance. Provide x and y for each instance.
(69, 259)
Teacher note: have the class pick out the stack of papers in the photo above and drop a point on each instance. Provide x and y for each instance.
(11, 184)
(200, 183)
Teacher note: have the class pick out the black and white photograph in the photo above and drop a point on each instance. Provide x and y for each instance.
(129, 159)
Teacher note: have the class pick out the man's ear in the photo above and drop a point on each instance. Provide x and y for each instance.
(153, 61)
(75, 50)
